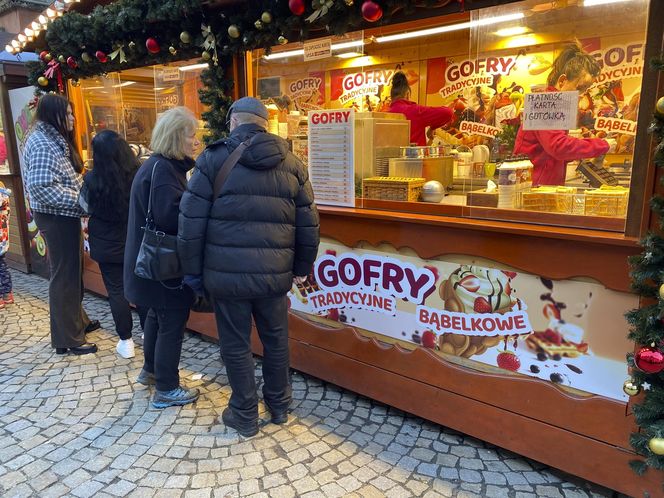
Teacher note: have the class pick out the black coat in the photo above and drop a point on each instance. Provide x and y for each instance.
(261, 230)
(107, 226)
(170, 182)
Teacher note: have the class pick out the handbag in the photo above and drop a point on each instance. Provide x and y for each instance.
(203, 303)
(158, 255)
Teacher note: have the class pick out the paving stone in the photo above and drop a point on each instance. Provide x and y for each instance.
(82, 427)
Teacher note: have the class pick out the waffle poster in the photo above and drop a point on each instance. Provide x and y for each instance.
(369, 90)
(490, 89)
(306, 93)
(475, 313)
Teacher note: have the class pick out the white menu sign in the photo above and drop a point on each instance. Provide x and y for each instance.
(331, 166)
(550, 110)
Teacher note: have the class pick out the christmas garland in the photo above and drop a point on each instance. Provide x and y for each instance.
(134, 33)
(647, 325)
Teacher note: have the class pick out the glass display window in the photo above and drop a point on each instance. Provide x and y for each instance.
(487, 125)
(129, 102)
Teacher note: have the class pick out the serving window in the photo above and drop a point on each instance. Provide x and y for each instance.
(129, 102)
(533, 137)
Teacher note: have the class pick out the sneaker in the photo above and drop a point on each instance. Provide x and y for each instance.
(146, 378)
(125, 348)
(177, 397)
(279, 418)
(8, 298)
(244, 429)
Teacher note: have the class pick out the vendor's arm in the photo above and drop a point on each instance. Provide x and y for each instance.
(560, 145)
(435, 117)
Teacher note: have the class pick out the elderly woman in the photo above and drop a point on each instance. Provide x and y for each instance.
(173, 143)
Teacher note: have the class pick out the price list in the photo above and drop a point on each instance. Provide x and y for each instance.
(331, 166)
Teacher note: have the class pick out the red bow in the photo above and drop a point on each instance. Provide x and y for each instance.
(54, 69)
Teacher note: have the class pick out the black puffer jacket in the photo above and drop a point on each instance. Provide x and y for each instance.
(263, 228)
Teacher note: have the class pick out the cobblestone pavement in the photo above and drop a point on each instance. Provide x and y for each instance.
(80, 426)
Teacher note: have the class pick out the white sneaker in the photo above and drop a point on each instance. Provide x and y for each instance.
(125, 348)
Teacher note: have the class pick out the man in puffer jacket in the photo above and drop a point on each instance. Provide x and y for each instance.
(249, 243)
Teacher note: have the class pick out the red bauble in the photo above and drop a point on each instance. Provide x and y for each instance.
(152, 45)
(296, 7)
(101, 56)
(71, 62)
(371, 11)
(649, 360)
(43, 54)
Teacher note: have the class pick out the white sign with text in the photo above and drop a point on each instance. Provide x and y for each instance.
(550, 110)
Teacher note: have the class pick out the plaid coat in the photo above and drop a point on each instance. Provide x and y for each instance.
(52, 183)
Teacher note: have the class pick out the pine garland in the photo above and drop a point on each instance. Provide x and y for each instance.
(127, 24)
(647, 323)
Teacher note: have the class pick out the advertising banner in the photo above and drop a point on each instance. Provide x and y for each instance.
(306, 93)
(475, 313)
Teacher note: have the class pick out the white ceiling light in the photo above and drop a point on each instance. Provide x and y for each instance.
(193, 67)
(50, 13)
(9, 49)
(513, 31)
(349, 55)
(592, 3)
(42, 19)
(451, 27)
(292, 53)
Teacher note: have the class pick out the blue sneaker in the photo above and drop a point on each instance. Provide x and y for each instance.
(177, 397)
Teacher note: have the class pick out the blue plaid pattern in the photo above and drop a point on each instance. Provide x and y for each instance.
(52, 182)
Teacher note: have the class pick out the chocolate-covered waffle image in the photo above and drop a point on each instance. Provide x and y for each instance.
(472, 289)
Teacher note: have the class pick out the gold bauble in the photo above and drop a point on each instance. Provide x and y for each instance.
(656, 445)
(42, 80)
(206, 56)
(258, 24)
(282, 40)
(350, 3)
(630, 388)
(659, 108)
(172, 50)
(233, 31)
(86, 57)
(48, 57)
(266, 17)
(132, 45)
(661, 291)
(185, 37)
(75, 83)
(61, 59)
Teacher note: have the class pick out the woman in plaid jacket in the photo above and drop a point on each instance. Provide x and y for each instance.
(53, 181)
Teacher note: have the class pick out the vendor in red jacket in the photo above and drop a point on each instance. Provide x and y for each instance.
(420, 116)
(550, 150)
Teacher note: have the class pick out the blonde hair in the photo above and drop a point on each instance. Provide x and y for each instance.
(169, 133)
(573, 62)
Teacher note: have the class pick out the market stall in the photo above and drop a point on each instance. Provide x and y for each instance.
(452, 282)
(449, 283)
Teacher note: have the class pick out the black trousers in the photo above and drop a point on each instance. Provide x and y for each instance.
(64, 242)
(234, 327)
(162, 345)
(5, 277)
(111, 273)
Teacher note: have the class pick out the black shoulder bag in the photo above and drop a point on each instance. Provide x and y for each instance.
(158, 256)
(203, 304)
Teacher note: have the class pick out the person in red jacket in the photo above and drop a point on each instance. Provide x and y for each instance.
(551, 150)
(420, 116)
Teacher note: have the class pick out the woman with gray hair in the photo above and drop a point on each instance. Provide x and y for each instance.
(161, 181)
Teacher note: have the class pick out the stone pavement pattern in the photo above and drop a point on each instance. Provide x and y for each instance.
(80, 426)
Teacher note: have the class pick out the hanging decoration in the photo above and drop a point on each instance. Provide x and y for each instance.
(233, 31)
(266, 17)
(71, 62)
(631, 388)
(152, 45)
(185, 37)
(649, 360)
(118, 52)
(656, 445)
(55, 71)
(101, 56)
(296, 7)
(209, 43)
(43, 81)
(371, 11)
(172, 50)
(321, 8)
(86, 57)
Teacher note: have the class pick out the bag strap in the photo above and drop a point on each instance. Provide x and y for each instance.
(148, 215)
(226, 168)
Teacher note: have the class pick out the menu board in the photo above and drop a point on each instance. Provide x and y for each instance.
(331, 166)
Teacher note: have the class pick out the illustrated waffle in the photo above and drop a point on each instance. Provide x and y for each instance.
(541, 344)
(305, 289)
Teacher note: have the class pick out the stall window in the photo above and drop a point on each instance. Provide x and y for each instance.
(522, 112)
(130, 102)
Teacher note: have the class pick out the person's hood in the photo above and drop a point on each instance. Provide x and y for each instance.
(266, 150)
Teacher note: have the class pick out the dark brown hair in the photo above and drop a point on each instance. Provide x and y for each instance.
(52, 109)
(572, 62)
(400, 86)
